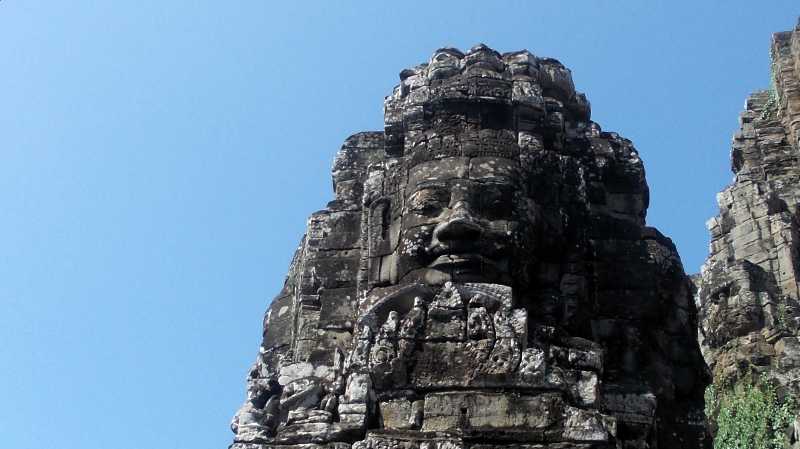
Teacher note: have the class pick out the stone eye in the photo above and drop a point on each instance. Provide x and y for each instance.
(429, 202)
(495, 203)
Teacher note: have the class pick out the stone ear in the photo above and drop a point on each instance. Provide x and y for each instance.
(378, 224)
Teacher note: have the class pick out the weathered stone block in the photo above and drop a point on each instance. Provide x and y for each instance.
(455, 410)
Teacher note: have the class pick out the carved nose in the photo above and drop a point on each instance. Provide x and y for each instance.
(460, 226)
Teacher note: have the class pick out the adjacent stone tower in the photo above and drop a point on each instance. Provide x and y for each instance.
(483, 279)
(748, 290)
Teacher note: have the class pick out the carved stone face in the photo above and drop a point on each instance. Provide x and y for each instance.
(461, 221)
(482, 57)
(445, 62)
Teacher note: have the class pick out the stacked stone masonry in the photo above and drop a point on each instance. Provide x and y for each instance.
(748, 289)
(483, 279)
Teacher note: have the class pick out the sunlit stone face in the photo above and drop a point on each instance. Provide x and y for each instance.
(445, 62)
(483, 58)
(461, 221)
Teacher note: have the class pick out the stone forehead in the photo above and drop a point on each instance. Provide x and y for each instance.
(477, 168)
(484, 143)
(448, 50)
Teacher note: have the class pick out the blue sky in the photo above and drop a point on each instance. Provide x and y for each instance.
(158, 161)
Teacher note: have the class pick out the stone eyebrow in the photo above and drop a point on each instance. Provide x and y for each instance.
(496, 180)
(430, 185)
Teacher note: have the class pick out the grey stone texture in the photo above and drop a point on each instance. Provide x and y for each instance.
(748, 288)
(483, 279)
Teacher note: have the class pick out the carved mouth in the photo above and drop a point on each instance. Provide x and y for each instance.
(459, 262)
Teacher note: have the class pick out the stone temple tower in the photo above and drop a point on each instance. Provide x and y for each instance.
(484, 278)
(748, 293)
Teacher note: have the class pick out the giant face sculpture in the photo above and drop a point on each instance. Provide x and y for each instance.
(484, 253)
(460, 221)
(444, 63)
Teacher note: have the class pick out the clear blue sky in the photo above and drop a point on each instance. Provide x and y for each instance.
(158, 161)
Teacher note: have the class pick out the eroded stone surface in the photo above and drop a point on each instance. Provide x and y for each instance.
(748, 288)
(483, 278)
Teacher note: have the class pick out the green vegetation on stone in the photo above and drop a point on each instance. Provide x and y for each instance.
(750, 415)
(774, 100)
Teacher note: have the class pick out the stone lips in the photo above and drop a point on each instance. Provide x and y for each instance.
(748, 288)
(483, 277)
